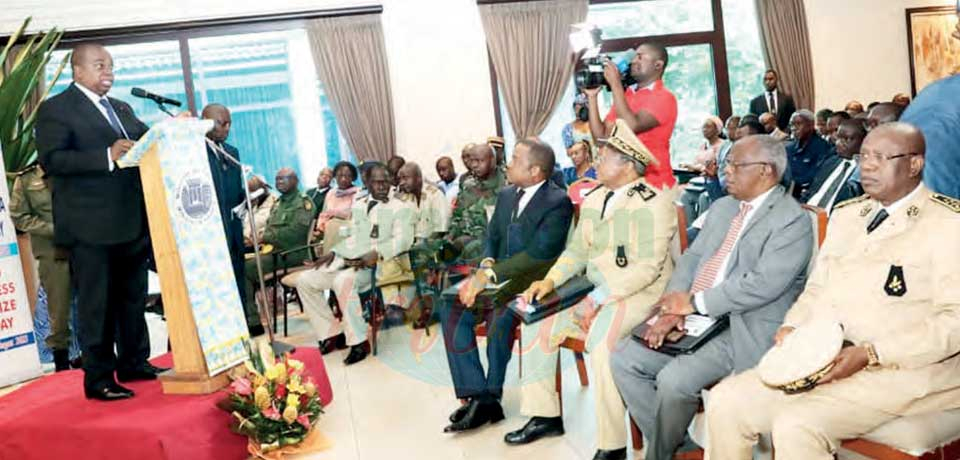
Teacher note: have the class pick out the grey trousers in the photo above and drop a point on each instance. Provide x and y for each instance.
(662, 392)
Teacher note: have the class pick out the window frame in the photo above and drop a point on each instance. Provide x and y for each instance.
(715, 38)
(183, 31)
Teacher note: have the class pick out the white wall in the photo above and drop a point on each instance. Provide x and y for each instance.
(859, 49)
(439, 70)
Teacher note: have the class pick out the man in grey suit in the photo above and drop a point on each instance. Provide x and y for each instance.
(748, 264)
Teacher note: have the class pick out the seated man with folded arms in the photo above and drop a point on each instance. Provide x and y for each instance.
(527, 233)
(380, 229)
(748, 265)
(622, 240)
(888, 273)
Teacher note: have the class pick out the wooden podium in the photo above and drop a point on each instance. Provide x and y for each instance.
(203, 309)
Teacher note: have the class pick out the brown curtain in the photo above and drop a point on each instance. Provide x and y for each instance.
(530, 50)
(351, 60)
(786, 47)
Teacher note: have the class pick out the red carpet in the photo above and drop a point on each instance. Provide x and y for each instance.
(51, 419)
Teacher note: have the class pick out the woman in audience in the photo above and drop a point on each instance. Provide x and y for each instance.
(578, 129)
(338, 202)
(582, 156)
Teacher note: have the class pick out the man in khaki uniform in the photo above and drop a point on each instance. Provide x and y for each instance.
(896, 290)
(433, 209)
(622, 240)
(32, 211)
(380, 229)
(261, 209)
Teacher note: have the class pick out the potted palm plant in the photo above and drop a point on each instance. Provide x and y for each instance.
(21, 73)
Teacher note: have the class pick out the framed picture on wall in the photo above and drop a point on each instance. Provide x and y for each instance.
(934, 52)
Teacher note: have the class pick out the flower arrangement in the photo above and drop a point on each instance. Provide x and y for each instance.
(273, 402)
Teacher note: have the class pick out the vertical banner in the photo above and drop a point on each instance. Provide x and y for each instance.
(19, 357)
(198, 230)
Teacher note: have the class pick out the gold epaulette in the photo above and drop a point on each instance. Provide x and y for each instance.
(307, 203)
(950, 203)
(851, 201)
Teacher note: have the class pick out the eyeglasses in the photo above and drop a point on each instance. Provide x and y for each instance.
(880, 158)
(733, 165)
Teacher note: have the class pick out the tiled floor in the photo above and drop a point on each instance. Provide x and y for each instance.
(394, 406)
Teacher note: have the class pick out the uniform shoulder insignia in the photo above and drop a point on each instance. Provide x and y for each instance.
(641, 189)
(950, 203)
(307, 204)
(851, 201)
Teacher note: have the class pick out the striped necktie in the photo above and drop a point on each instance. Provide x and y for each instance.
(708, 273)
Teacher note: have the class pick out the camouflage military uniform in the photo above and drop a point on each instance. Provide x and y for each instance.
(469, 220)
(32, 212)
(286, 228)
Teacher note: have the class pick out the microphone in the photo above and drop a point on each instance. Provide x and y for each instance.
(142, 93)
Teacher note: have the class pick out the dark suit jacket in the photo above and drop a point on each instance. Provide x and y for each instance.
(524, 250)
(805, 161)
(91, 204)
(758, 106)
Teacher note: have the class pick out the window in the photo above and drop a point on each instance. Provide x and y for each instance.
(653, 17)
(711, 73)
(281, 115)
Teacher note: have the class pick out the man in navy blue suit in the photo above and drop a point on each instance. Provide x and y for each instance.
(526, 234)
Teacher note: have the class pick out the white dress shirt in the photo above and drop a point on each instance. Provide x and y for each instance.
(834, 176)
(452, 189)
(528, 193)
(698, 300)
(95, 100)
(772, 95)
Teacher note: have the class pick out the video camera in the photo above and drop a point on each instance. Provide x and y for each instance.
(588, 38)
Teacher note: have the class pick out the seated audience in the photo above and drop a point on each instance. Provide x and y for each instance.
(262, 202)
(319, 193)
(706, 158)
(468, 224)
(449, 182)
(902, 99)
(432, 208)
(833, 123)
(823, 128)
(527, 232)
(286, 228)
(578, 129)
(806, 152)
(393, 166)
(749, 264)
(338, 202)
(769, 122)
(730, 127)
(883, 112)
(622, 242)
(853, 108)
(581, 154)
(902, 319)
(380, 229)
(832, 183)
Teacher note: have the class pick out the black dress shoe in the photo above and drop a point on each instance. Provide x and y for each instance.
(357, 353)
(108, 392)
(458, 414)
(146, 372)
(477, 414)
(337, 342)
(615, 454)
(61, 360)
(536, 428)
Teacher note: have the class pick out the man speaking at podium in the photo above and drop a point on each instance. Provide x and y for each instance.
(99, 213)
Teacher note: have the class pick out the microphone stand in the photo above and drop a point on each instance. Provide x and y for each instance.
(279, 348)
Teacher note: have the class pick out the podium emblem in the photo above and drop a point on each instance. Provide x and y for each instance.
(195, 197)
